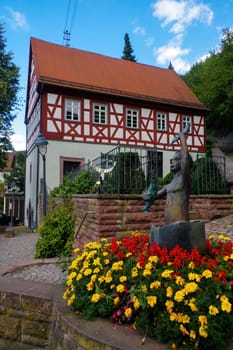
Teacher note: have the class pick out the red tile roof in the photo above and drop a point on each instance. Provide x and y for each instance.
(69, 67)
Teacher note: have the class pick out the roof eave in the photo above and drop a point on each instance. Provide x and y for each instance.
(116, 92)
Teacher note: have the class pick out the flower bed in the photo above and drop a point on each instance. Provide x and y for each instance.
(178, 297)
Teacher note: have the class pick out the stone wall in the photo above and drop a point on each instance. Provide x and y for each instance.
(110, 216)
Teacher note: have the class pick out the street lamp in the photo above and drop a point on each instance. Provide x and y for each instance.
(41, 143)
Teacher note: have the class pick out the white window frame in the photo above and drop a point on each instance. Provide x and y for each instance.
(187, 119)
(161, 121)
(100, 113)
(72, 110)
(132, 118)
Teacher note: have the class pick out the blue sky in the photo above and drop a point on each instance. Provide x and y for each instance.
(180, 31)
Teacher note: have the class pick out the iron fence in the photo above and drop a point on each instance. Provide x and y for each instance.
(129, 170)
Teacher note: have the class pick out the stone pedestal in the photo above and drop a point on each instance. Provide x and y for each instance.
(186, 234)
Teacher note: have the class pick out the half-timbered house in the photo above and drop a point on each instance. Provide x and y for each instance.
(86, 103)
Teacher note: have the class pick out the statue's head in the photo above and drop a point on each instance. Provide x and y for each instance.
(175, 164)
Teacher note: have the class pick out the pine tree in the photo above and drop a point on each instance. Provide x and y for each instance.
(9, 87)
(128, 51)
(170, 66)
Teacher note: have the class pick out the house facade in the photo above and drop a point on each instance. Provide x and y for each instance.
(85, 104)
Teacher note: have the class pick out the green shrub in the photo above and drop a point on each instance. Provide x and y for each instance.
(57, 232)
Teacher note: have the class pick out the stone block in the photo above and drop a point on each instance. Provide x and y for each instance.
(187, 234)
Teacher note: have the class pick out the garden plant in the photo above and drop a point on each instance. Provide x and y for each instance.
(178, 297)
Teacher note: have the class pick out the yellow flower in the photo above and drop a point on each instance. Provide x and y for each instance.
(192, 334)
(101, 279)
(136, 303)
(191, 265)
(117, 266)
(194, 277)
(207, 274)
(146, 272)
(225, 304)
(96, 270)
(106, 261)
(179, 281)
(120, 288)
(79, 277)
(95, 298)
(128, 312)
(155, 284)
(202, 319)
(169, 305)
(134, 272)
(90, 286)
(153, 259)
(71, 300)
(183, 330)
(202, 331)
(211, 237)
(190, 287)
(93, 278)
(151, 300)
(128, 255)
(123, 279)
(148, 266)
(169, 292)
(167, 273)
(87, 272)
(179, 296)
(116, 301)
(213, 310)
(65, 294)
(144, 288)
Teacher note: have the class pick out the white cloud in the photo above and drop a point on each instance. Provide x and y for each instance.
(149, 41)
(172, 53)
(139, 30)
(18, 142)
(181, 14)
(17, 19)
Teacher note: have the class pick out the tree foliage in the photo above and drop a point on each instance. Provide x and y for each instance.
(212, 82)
(9, 87)
(128, 51)
(16, 179)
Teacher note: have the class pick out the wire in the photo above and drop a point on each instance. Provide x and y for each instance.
(70, 18)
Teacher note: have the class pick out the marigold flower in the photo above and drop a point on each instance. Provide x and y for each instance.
(151, 300)
(192, 334)
(213, 310)
(207, 274)
(153, 259)
(117, 266)
(146, 272)
(120, 288)
(96, 270)
(71, 300)
(225, 304)
(136, 303)
(144, 288)
(79, 277)
(128, 312)
(202, 319)
(203, 332)
(65, 294)
(87, 272)
(191, 265)
(134, 272)
(169, 292)
(180, 281)
(90, 286)
(116, 301)
(167, 273)
(194, 277)
(155, 284)
(179, 296)
(169, 306)
(95, 298)
(123, 279)
(190, 287)
(183, 330)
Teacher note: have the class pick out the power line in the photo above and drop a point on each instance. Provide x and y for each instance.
(70, 18)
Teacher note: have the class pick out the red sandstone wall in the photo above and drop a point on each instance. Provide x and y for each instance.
(110, 216)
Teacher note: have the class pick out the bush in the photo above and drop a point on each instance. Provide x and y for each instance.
(57, 232)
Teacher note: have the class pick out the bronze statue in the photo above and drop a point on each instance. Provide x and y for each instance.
(177, 191)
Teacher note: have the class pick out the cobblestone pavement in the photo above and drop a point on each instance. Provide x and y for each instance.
(17, 254)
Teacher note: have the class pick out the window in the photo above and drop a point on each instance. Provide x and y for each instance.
(70, 169)
(161, 121)
(187, 120)
(72, 110)
(132, 118)
(100, 113)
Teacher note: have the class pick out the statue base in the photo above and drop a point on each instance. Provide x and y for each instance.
(187, 234)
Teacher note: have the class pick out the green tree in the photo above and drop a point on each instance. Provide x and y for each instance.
(212, 82)
(15, 180)
(9, 87)
(128, 51)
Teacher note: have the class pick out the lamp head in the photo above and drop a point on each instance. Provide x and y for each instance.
(41, 143)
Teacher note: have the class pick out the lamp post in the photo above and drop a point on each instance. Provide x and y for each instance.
(41, 143)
